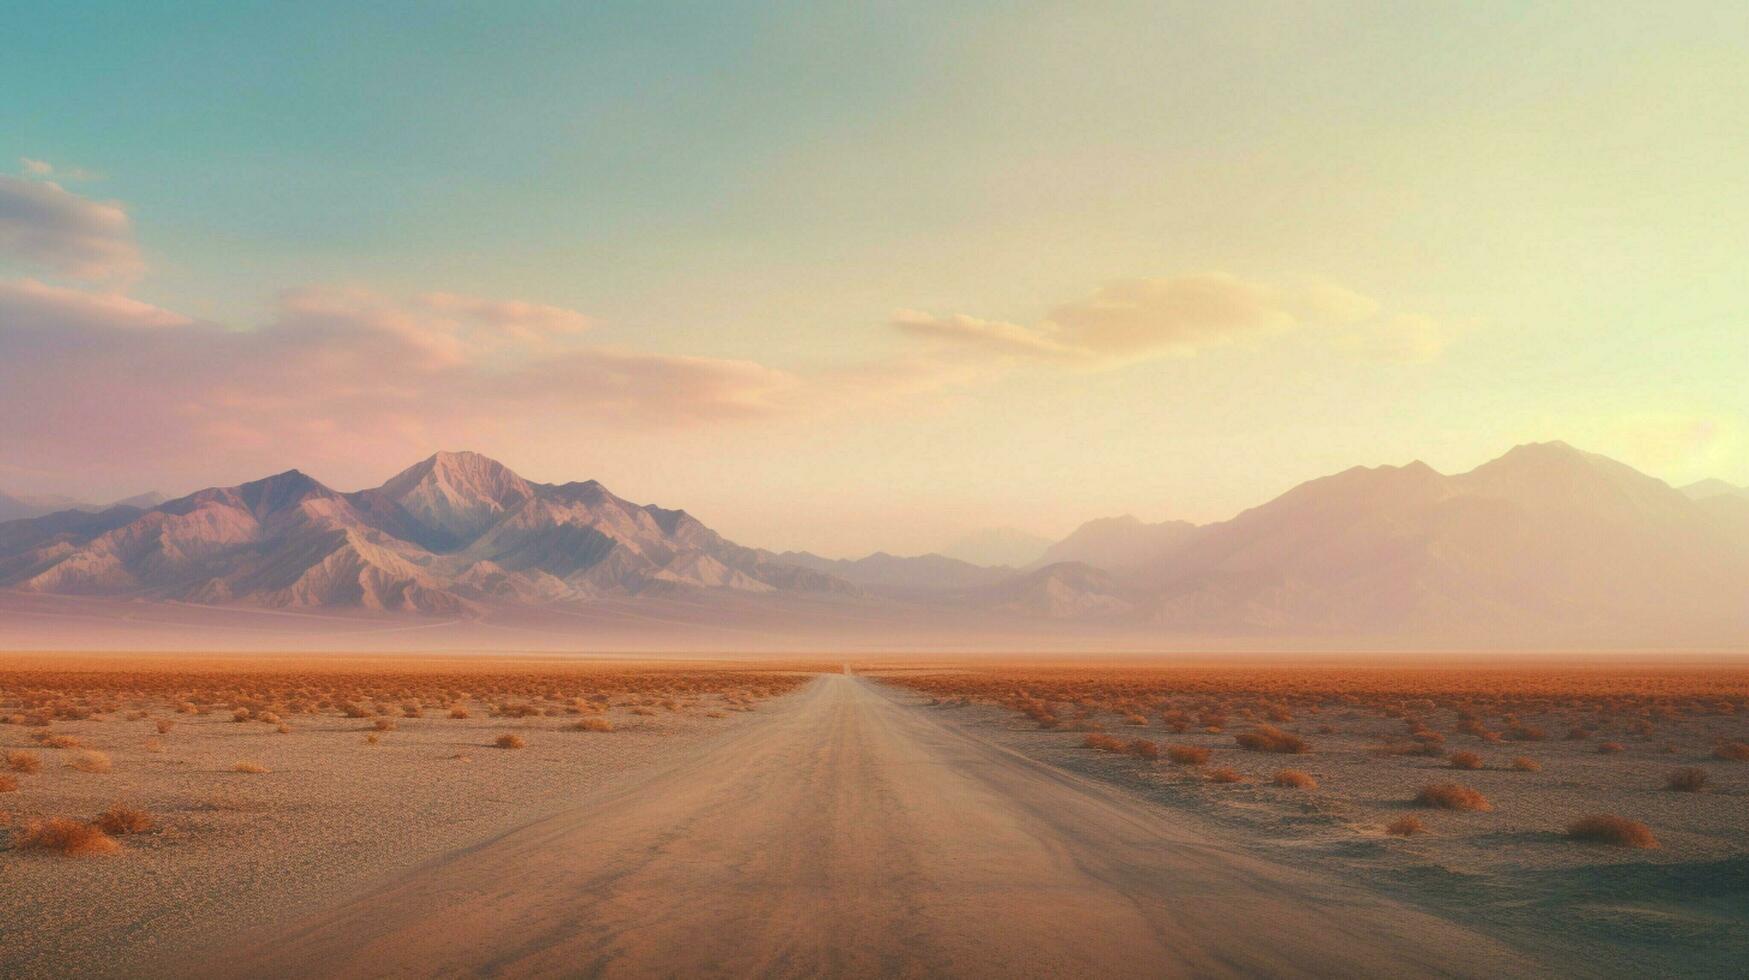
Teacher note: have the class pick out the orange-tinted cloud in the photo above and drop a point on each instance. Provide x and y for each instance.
(1136, 319)
(86, 376)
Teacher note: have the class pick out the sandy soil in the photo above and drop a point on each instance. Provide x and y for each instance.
(854, 828)
(849, 834)
(332, 815)
(1681, 909)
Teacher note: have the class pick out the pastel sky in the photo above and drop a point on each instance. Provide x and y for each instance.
(852, 278)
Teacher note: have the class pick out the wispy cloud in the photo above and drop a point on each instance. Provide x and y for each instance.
(83, 374)
(47, 227)
(43, 168)
(1137, 319)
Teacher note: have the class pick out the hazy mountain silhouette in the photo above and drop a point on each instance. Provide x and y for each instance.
(1119, 543)
(1546, 541)
(996, 547)
(13, 508)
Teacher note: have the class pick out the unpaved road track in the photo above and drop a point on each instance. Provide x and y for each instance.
(849, 834)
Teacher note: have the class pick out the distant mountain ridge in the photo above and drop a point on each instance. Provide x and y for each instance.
(13, 508)
(1545, 544)
(1118, 543)
(998, 546)
(449, 534)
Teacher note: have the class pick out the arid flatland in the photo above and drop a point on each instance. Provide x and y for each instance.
(318, 817)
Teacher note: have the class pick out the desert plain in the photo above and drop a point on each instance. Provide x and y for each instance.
(900, 816)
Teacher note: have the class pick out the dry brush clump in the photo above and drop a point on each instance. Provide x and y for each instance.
(122, 820)
(1732, 751)
(91, 761)
(1525, 763)
(1225, 775)
(1188, 755)
(1268, 738)
(596, 723)
(1464, 760)
(1295, 779)
(8, 783)
(510, 740)
(1607, 828)
(75, 838)
(1406, 826)
(249, 766)
(1453, 796)
(1688, 779)
(19, 760)
(1101, 742)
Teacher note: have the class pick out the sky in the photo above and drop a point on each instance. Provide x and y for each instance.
(848, 278)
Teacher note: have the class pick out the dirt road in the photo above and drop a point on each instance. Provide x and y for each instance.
(849, 834)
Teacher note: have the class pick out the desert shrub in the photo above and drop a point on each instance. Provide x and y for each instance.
(372, 738)
(1268, 738)
(1607, 828)
(8, 783)
(249, 765)
(1525, 763)
(1405, 826)
(1734, 751)
(1611, 748)
(596, 723)
(164, 725)
(1689, 779)
(1295, 779)
(1465, 760)
(22, 761)
(510, 741)
(384, 724)
(1144, 749)
(121, 820)
(1101, 742)
(90, 761)
(66, 835)
(1188, 755)
(241, 714)
(458, 711)
(1225, 776)
(49, 741)
(1452, 796)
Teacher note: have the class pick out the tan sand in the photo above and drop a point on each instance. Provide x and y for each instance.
(846, 833)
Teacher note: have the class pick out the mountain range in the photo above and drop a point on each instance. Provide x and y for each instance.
(1546, 544)
(14, 508)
